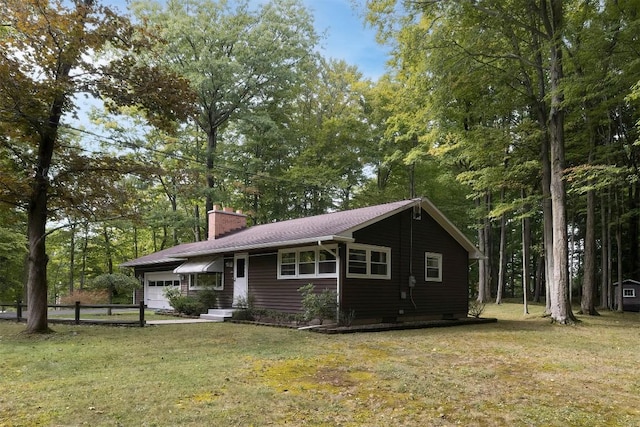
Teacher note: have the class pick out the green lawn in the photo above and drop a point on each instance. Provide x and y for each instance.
(520, 371)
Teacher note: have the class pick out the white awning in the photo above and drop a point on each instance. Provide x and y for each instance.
(206, 265)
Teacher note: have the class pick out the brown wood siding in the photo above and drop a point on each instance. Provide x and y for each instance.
(224, 298)
(409, 240)
(267, 291)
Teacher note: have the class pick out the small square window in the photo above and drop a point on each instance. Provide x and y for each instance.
(629, 293)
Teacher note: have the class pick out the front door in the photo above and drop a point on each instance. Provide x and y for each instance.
(240, 280)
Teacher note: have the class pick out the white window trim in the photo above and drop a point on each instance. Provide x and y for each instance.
(632, 294)
(368, 249)
(316, 274)
(193, 282)
(437, 256)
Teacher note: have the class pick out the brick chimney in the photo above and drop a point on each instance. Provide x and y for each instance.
(225, 221)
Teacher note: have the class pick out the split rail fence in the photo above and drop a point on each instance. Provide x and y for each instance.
(19, 306)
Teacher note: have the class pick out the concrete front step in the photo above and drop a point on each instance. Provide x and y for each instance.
(217, 314)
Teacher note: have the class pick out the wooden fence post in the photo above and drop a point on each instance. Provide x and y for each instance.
(142, 314)
(77, 312)
(18, 310)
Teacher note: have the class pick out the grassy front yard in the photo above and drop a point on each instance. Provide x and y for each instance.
(521, 371)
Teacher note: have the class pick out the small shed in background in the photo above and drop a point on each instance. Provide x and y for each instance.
(630, 294)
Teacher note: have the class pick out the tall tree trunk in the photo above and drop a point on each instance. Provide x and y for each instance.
(604, 261)
(109, 255)
(196, 229)
(85, 247)
(610, 253)
(107, 248)
(37, 320)
(503, 255)
(619, 294)
(38, 205)
(72, 257)
(633, 237)
(135, 242)
(526, 258)
(174, 228)
(547, 222)
(154, 239)
(412, 180)
(484, 288)
(482, 273)
(559, 290)
(539, 106)
(37, 287)
(212, 143)
(488, 250)
(587, 303)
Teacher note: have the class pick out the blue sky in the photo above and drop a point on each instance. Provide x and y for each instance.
(346, 36)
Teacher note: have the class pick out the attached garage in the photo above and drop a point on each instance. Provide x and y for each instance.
(154, 287)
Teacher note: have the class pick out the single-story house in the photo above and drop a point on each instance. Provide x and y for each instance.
(398, 261)
(630, 294)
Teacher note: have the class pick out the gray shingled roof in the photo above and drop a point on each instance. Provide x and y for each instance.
(336, 226)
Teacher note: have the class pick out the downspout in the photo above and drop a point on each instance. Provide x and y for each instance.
(338, 278)
(412, 278)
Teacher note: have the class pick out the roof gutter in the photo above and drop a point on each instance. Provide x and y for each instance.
(330, 238)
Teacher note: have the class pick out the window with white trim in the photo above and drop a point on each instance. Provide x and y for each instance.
(629, 293)
(367, 261)
(213, 281)
(307, 262)
(432, 267)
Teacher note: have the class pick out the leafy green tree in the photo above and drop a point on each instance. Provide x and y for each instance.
(236, 57)
(49, 55)
(330, 138)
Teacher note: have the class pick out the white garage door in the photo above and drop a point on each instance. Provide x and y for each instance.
(154, 287)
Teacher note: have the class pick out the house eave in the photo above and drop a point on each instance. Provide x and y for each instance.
(267, 245)
(134, 264)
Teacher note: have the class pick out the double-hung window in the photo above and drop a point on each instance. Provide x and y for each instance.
(367, 261)
(433, 267)
(307, 262)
